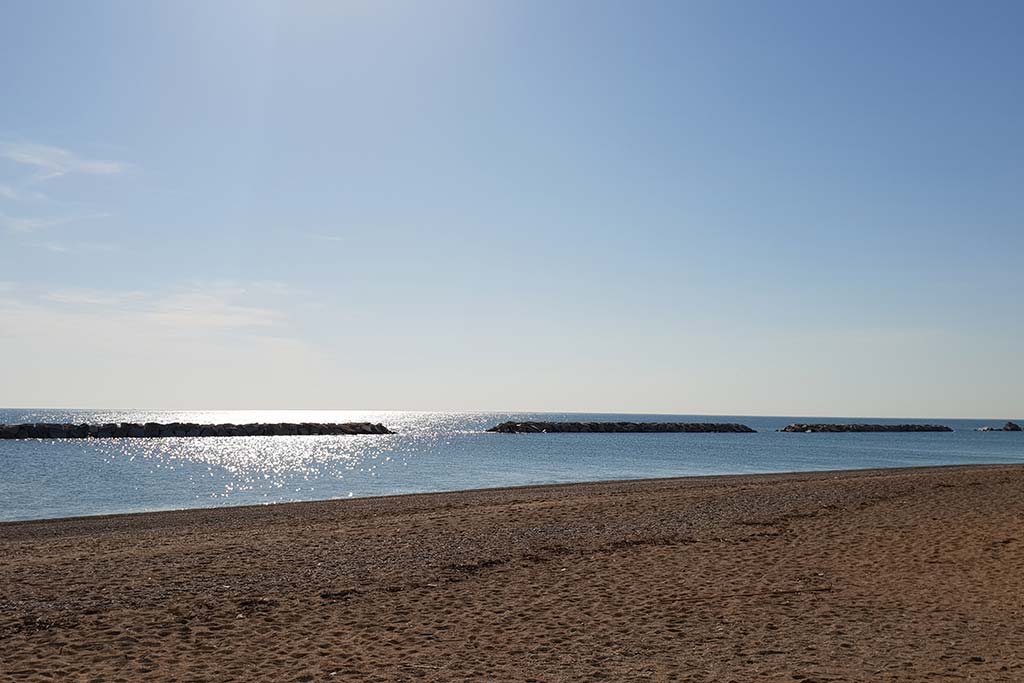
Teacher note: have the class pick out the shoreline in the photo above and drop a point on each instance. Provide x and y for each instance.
(795, 475)
(900, 574)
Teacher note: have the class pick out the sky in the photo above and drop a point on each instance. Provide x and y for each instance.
(774, 208)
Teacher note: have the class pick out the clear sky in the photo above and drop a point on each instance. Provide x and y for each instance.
(717, 207)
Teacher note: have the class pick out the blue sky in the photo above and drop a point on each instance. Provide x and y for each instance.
(714, 207)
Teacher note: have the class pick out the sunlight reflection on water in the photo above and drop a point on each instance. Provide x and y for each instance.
(257, 460)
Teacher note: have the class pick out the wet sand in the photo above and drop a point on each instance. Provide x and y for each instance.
(894, 575)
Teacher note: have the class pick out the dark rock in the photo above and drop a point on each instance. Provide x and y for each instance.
(619, 427)
(107, 431)
(1008, 427)
(53, 431)
(842, 428)
(183, 429)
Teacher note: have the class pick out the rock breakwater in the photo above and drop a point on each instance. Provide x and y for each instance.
(155, 430)
(618, 427)
(808, 428)
(1008, 427)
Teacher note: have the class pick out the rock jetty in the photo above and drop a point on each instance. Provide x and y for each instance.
(619, 427)
(1008, 427)
(809, 428)
(43, 430)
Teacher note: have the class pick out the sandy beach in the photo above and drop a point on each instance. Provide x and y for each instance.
(894, 575)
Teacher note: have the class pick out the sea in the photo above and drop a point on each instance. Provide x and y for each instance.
(431, 451)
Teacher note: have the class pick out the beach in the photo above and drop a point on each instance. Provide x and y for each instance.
(871, 575)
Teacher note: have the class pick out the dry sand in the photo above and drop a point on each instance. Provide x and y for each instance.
(899, 575)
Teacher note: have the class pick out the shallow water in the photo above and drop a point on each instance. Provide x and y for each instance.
(431, 452)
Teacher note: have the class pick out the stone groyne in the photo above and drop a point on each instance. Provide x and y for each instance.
(809, 428)
(1008, 427)
(618, 427)
(155, 429)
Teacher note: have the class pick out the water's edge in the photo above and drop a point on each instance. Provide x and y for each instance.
(451, 495)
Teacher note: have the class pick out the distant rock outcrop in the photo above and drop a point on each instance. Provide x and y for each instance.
(608, 427)
(1008, 427)
(155, 429)
(840, 427)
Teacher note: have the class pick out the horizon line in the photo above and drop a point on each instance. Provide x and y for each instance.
(512, 412)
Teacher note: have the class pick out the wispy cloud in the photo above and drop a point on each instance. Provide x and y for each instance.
(209, 311)
(161, 347)
(94, 297)
(55, 247)
(322, 237)
(187, 311)
(15, 195)
(35, 212)
(53, 162)
(24, 224)
(74, 247)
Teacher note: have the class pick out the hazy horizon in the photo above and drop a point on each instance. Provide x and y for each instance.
(720, 208)
(500, 412)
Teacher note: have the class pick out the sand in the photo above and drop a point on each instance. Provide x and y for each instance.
(893, 575)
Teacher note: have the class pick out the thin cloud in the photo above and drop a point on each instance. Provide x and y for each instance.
(93, 297)
(198, 310)
(320, 237)
(55, 247)
(184, 311)
(24, 225)
(53, 162)
(112, 348)
(15, 195)
(75, 247)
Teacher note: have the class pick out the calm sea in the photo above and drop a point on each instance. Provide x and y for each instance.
(431, 452)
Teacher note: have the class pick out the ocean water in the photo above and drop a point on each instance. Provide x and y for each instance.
(433, 451)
